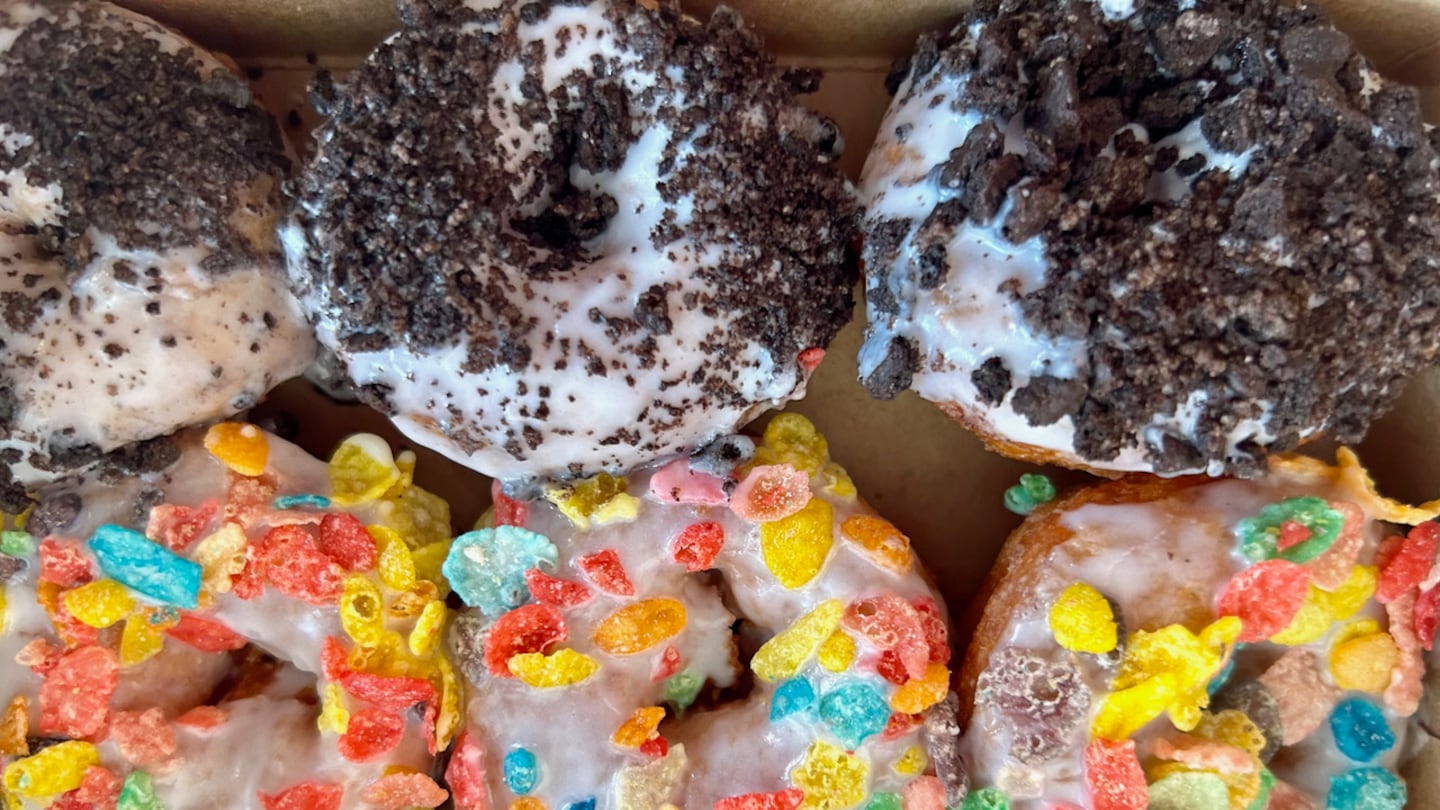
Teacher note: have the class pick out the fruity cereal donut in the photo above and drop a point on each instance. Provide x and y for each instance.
(1205, 644)
(521, 208)
(130, 604)
(602, 643)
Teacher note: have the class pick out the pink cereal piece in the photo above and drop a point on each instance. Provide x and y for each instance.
(607, 572)
(1333, 566)
(466, 774)
(667, 665)
(99, 789)
(1266, 596)
(770, 492)
(550, 590)
(176, 527)
(1305, 699)
(788, 799)
(508, 511)
(936, 634)
(144, 738)
(203, 718)
(1202, 754)
(697, 545)
(1114, 777)
(925, 793)
(247, 499)
(305, 796)
(397, 791)
(1406, 687)
(63, 563)
(677, 483)
(901, 724)
(75, 698)
(1408, 564)
(811, 357)
(40, 655)
(892, 624)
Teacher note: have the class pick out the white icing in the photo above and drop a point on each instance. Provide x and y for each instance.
(1116, 9)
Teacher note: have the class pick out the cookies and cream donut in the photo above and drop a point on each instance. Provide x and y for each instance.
(142, 282)
(1150, 235)
(703, 634)
(130, 604)
(1200, 643)
(554, 239)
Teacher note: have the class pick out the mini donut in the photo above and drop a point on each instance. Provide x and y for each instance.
(140, 614)
(1201, 643)
(142, 281)
(560, 238)
(1150, 235)
(676, 636)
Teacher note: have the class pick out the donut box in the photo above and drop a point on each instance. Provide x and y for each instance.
(932, 478)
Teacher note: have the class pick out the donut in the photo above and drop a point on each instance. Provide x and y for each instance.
(250, 627)
(139, 198)
(1149, 235)
(556, 239)
(1203, 643)
(736, 630)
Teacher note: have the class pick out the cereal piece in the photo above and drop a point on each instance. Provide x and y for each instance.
(15, 728)
(526, 629)
(854, 711)
(925, 793)
(1403, 692)
(780, 800)
(1407, 568)
(99, 789)
(891, 623)
(1032, 491)
(1190, 790)
(1190, 662)
(607, 572)
(1427, 617)
(770, 492)
(555, 591)
(1042, 701)
(222, 556)
(601, 499)
(486, 568)
(1114, 777)
(75, 697)
(63, 563)
(334, 716)
(1259, 536)
(649, 786)
(831, 778)
(138, 793)
(912, 762)
(465, 774)
(401, 791)
(1366, 789)
(564, 667)
(99, 604)
(1303, 697)
(1253, 699)
(289, 559)
(362, 469)
(884, 544)
(521, 770)
(941, 735)
(793, 696)
(642, 726)
(395, 564)
(792, 439)
(203, 718)
(56, 769)
(681, 690)
(1125, 711)
(176, 527)
(1203, 754)
(1361, 730)
(305, 796)
(205, 634)
(885, 801)
(1266, 596)
(308, 500)
(989, 798)
(370, 734)
(426, 632)
(16, 543)
(143, 738)
(919, 694)
(395, 693)
(1346, 599)
(795, 548)
(639, 626)
(838, 652)
(782, 656)
(668, 664)
(680, 483)
(937, 632)
(362, 613)
(1364, 663)
(241, 447)
(343, 538)
(697, 545)
(1330, 569)
(1083, 620)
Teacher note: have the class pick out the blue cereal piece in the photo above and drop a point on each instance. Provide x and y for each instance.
(1360, 730)
(127, 557)
(306, 501)
(486, 568)
(583, 804)
(1366, 789)
(854, 711)
(792, 697)
(522, 771)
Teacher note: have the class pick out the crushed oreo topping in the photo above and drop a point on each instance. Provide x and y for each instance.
(10, 567)
(1268, 272)
(54, 513)
(1041, 701)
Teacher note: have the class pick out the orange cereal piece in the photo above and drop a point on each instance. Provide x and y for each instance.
(638, 627)
(15, 728)
(770, 492)
(398, 791)
(242, 447)
(642, 727)
(203, 718)
(1364, 662)
(883, 543)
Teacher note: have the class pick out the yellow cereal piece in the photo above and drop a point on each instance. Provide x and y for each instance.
(831, 778)
(794, 548)
(241, 447)
(428, 560)
(99, 604)
(54, 770)
(782, 656)
(836, 482)
(1083, 620)
(527, 803)
(405, 462)
(639, 626)
(792, 439)
(139, 641)
(408, 604)
(1190, 661)
(912, 762)
(15, 728)
(334, 717)
(919, 694)
(1346, 600)
(222, 557)
(1356, 629)
(447, 717)
(1221, 633)
(416, 514)
(362, 469)
(1232, 727)
(3, 603)
(395, 565)
(426, 632)
(883, 543)
(362, 610)
(601, 499)
(642, 727)
(1125, 711)
(564, 667)
(838, 651)
(1311, 622)
(1364, 662)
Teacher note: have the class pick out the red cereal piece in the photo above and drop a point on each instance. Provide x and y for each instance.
(697, 546)
(1409, 563)
(1114, 777)
(655, 747)
(555, 591)
(900, 724)
(892, 624)
(205, 634)
(75, 698)
(526, 629)
(203, 718)
(63, 563)
(99, 790)
(344, 539)
(1427, 617)
(290, 559)
(394, 693)
(466, 774)
(925, 793)
(890, 668)
(334, 660)
(1266, 596)
(144, 738)
(247, 498)
(398, 791)
(250, 582)
(508, 511)
(788, 799)
(668, 665)
(371, 733)
(936, 634)
(176, 527)
(811, 357)
(305, 796)
(1292, 533)
(606, 571)
(71, 630)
